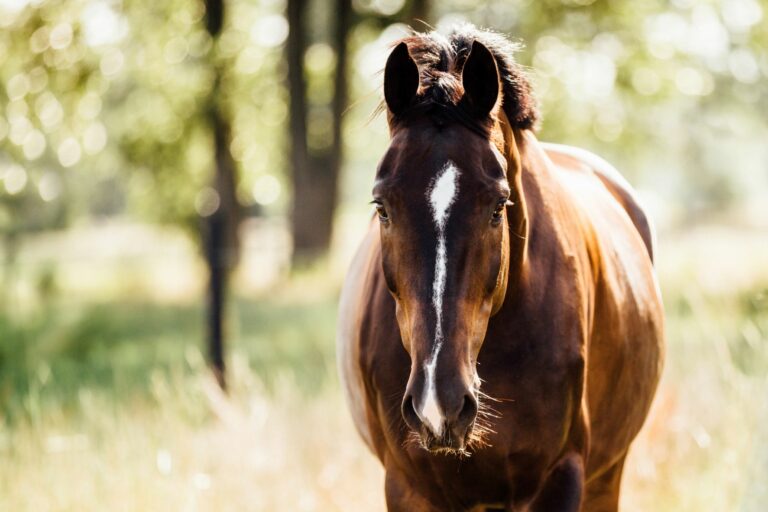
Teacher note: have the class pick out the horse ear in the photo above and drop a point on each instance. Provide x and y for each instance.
(401, 79)
(480, 78)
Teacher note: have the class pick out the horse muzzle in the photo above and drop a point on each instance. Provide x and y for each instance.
(443, 420)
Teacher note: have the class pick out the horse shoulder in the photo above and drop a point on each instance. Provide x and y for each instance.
(619, 232)
(613, 181)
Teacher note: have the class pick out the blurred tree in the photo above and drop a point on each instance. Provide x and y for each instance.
(316, 145)
(315, 167)
(50, 80)
(173, 123)
(220, 231)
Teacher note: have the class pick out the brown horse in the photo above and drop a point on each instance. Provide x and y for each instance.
(501, 328)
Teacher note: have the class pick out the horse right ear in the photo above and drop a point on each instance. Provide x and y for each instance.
(481, 80)
(401, 79)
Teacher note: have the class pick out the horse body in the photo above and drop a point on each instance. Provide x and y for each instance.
(570, 358)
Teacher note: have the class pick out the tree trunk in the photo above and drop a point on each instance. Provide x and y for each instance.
(315, 175)
(338, 106)
(220, 228)
(299, 154)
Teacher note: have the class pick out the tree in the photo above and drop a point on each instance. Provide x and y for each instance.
(178, 136)
(50, 130)
(315, 171)
(220, 227)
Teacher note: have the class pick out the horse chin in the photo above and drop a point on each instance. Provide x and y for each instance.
(447, 444)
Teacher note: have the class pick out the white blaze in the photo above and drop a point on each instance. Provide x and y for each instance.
(441, 196)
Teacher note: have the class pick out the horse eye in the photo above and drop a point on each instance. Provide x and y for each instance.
(383, 215)
(498, 212)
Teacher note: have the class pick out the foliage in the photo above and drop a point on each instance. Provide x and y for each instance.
(103, 102)
(50, 123)
(672, 93)
(103, 99)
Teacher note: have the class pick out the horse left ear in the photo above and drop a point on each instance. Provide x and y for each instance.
(401, 79)
(480, 78)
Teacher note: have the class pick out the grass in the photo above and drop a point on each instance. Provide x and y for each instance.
(108, 404)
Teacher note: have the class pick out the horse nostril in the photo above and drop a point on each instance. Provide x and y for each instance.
(409, 413)
(468, 411)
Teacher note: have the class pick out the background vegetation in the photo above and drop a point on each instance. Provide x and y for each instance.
(146, 147)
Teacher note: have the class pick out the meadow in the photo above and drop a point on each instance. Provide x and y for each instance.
(134, 133)
(107, 403)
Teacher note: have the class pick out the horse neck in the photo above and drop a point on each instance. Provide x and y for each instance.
(514, 146)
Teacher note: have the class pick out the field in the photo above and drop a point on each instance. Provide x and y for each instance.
(106, 402)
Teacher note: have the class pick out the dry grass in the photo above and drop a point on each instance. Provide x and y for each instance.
(194, 449)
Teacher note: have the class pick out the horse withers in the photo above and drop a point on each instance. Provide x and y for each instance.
(500, 330)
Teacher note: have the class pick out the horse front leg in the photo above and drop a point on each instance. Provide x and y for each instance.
(402, 496)
(562, 491)
(602, 493)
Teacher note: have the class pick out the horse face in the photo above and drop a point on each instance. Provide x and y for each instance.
(440, 193)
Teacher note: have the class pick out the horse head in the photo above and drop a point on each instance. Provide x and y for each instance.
(444, 193)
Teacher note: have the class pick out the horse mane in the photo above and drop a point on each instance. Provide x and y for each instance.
(441, 59)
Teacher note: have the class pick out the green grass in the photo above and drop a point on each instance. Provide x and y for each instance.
(109, 404)
(114, 346)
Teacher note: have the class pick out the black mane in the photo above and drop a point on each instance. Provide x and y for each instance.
(440, 60)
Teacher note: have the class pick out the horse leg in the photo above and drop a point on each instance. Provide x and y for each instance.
(563, 488)
(402, 497)
(602, 493)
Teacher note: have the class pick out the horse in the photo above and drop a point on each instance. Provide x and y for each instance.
(501, 331)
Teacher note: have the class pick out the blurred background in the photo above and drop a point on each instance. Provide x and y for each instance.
(182, 184)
